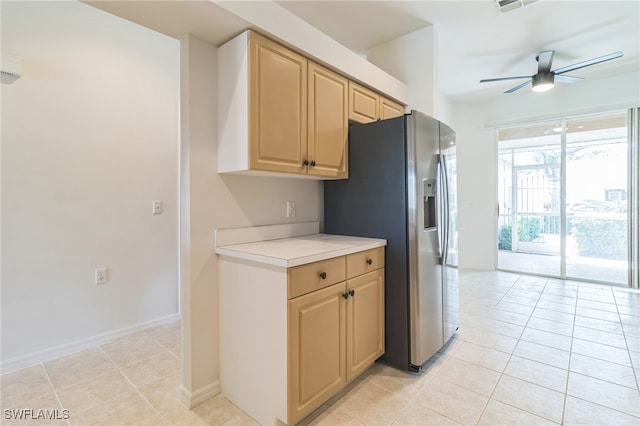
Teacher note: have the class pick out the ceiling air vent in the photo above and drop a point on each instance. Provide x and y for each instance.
(505, 6)
(10, 68)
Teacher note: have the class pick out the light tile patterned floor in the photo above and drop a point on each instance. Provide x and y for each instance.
(530, 351)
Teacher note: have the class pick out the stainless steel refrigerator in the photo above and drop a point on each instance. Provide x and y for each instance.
(401, 187)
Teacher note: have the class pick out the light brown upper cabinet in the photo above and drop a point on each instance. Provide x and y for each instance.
(363, 104)
(277, 107)
(279, 112)
(390, 109)
(366, 106)
(328, 124)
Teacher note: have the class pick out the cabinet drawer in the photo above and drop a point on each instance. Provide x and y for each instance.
(364, 261)
(313, 276)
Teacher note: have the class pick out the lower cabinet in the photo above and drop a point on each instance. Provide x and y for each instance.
(335, 334)
(317, 348)
(291, 338)
(365, 322)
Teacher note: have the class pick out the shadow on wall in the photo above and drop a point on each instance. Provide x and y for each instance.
(259, 200)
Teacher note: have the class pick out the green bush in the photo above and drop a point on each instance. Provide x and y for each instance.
(529, 228)
(600, 237)
(504, 238)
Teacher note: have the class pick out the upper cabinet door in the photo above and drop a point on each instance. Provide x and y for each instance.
(328, 122)
(363, 104)
(277, 107)
(390, 109)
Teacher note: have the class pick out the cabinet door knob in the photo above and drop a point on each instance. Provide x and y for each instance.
(323, 275)
(369, 261)
(345, 295)
(305, 163)
(352, 292)
(313, 163)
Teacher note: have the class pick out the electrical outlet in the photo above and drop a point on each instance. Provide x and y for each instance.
(157, 207)
(101, 276)
(291, 208)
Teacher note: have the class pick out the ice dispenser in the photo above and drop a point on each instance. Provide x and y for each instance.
(429, 191)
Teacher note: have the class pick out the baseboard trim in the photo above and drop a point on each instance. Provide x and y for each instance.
(38, 357)
(191, 399)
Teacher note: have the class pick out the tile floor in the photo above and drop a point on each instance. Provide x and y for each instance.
(530, 351)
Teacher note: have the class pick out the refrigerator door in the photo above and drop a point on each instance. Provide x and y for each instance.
(425, 271)
(449, 268)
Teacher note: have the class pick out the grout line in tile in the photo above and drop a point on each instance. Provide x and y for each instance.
(55, 392)
(510, 356)
(603, 406)
(155, 410)
(566, 386)
(634, 368)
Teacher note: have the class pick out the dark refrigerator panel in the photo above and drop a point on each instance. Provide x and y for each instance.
(372, 203)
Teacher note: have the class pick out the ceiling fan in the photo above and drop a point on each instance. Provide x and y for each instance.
(544, 79)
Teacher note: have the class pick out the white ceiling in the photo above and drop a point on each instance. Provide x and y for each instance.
(475, 41)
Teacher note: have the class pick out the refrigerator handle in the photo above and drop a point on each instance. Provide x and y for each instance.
(440, 222)
(445, 179)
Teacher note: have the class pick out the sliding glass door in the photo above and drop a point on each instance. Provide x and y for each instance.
(596, 196)
(563, 197)
(529, 238)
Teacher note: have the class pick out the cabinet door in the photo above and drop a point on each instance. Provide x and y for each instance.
(316, 349)
(390, 109)
(277, 107)
(365, 321)
(363, 104)
(328, 122)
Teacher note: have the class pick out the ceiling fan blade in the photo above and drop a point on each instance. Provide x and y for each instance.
(568, 79)
(518, 87)
(544, 61)
(588, 63)
(486, 80)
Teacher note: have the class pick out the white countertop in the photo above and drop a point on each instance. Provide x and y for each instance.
(289, 252)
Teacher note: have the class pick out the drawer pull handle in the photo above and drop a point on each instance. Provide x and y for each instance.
(313, 163)
(305, 163)
(352, 292)
(369, 261)
(345, 295)
(323, 275)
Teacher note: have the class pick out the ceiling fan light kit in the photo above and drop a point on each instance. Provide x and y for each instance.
(545, 79)
(542, 82)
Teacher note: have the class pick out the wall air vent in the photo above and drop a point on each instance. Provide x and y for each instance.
(505, 6)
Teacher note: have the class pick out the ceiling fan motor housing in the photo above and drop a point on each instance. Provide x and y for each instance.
(543, 78)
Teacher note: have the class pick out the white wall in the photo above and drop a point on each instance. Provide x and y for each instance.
(212, 201)
(89, 139)
(413, 59)
(474, 125)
